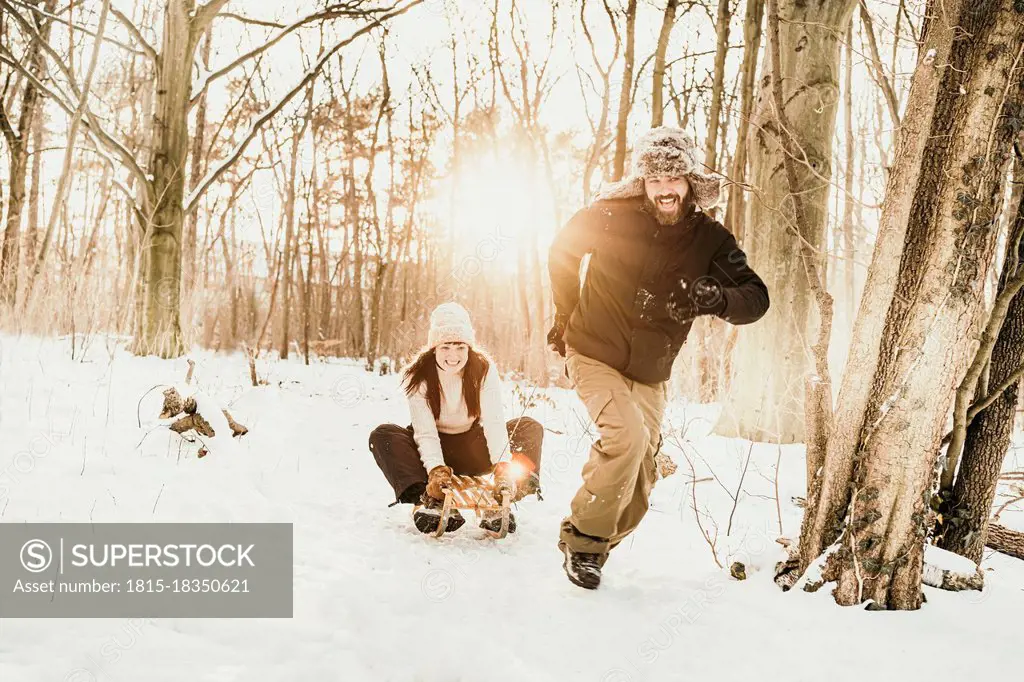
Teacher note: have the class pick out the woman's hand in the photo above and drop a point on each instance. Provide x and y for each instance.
(515, 476)
(439, 478)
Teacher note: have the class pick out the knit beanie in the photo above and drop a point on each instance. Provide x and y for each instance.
(449, 323)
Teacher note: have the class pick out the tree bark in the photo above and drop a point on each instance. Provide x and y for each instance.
(196, 171)
(622, 122)
(717, 84)
(668, 20)
(949, 246)
(829, 491)
(158, 331)
(735, 210)
(771, 356)
(1005, 540)
(290, 237)
(988, 436)
(848, 196)
(34, 194)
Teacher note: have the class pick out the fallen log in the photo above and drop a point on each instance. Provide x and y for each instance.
(174, 405)
(1005, 540)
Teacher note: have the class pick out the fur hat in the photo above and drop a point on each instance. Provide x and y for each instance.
(449, 323)
(666, 151)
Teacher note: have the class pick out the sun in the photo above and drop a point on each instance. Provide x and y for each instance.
(492, 204)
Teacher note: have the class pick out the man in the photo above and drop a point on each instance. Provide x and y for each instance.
(657, 262)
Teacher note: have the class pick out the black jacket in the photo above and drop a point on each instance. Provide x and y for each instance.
(621, 317)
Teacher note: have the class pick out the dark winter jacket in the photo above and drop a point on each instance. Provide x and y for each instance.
(621, 317)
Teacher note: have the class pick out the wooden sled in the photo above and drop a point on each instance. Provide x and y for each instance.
(475, 493)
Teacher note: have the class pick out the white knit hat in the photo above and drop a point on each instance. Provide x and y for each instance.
(665, 151)
(449, 323)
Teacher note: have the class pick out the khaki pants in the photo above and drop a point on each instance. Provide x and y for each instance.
(619, 476)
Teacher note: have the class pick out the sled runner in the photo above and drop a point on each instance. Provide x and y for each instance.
(476, 493)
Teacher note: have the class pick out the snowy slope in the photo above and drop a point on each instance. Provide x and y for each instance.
(375, 600)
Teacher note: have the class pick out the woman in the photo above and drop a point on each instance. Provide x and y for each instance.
(458, 425)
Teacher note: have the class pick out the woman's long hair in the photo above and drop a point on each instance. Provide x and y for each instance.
(424, 369)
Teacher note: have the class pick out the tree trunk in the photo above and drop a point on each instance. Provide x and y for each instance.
(196, 172)
(18, 148)
(717, 84)
(668, 20)
(34, 195)
(988, 436)
(158, 331)
(848, 194)
(625, 94)
(735, 211)
(771, 356)
(829, 492)
(948, 249)
(290, 238)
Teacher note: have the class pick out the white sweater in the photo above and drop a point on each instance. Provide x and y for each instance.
(455, 417)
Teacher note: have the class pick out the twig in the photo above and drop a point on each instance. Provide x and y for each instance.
(157, 501)
(138, 406)
(995, 517)
(739, 489)
(696, 515)
(778, 507)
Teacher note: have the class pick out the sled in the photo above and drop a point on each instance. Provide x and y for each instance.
(475, 493)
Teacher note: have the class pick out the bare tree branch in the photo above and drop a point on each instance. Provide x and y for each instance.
(102, 138)
(84, 29)
(60, 195)
(345, 9)
(193, 198)
(205, 14)
(136, 33)
(876, 60)
(89, 121)
(249, 20)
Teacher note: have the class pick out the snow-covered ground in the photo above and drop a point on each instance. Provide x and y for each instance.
(375, 600)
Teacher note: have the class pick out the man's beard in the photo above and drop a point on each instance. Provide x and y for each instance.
(670, 217)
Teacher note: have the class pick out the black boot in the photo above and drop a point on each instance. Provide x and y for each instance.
(492, 522)
(427, 516)
(583, 569)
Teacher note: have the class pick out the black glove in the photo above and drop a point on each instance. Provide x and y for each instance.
(704, 296)
(557, 332)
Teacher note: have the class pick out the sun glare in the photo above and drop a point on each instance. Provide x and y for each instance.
(497, 203)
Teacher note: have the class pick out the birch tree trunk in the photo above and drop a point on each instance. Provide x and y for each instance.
(949, 246)
(772, 359)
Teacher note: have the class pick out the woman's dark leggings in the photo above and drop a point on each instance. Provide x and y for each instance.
(466, 453)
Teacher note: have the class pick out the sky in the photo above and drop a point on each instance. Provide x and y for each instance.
(419, 38)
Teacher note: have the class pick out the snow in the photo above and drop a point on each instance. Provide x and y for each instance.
(948, 561)
(376, 600)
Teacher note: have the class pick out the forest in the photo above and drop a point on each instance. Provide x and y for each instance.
(310, 180)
